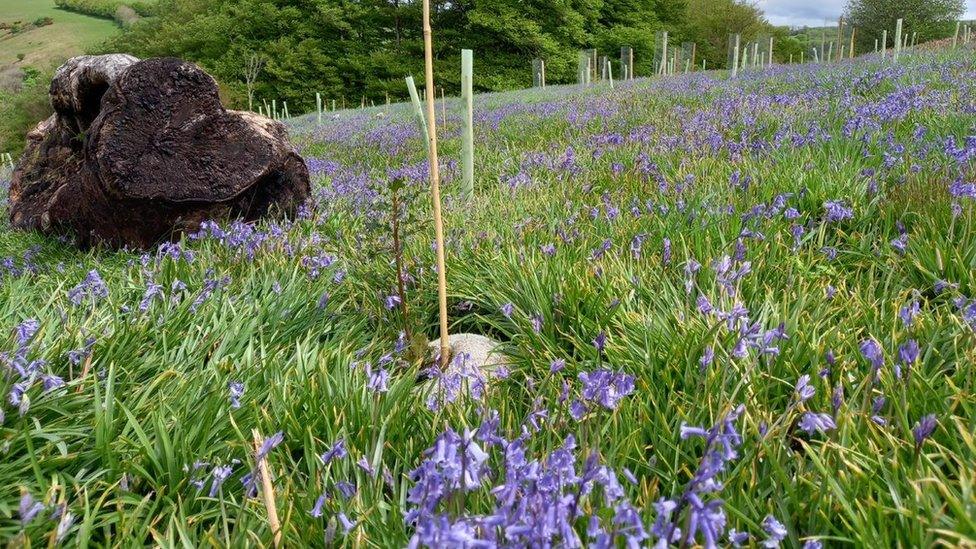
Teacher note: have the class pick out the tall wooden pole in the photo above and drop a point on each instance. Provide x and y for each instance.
(840, 37)
(435, 186)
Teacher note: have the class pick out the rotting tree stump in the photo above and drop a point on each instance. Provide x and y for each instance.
(139, 152)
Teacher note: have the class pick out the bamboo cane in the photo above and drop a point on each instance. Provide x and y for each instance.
(267, 489)
(435, 188)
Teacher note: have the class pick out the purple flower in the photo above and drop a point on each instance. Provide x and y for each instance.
(269, 444)
(737, 538)
(816, 422)
(900, 243)
(316, 511)
(219, 474)
(26, 330)
(338, 451)
(51, 382)
(924, 429)
(577, 410)
(236, 390)
(600, 342)
(872, 351)
(557, 365)
(65, 523)
(707, 357)
(908, 354)
(28, 508)
(606, 387)
(347, 525)
(803, 388)
(537, 323)
(507, 310)
(379, 380)
(837, 211)
(908, 313)
(92, 287)
(364, 464)
(775, 531)
(837, 398)
(392, 301)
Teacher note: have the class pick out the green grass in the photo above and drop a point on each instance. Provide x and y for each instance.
(118, 446)
(48, 46)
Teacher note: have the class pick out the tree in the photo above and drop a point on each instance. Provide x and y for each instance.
(252, 68)
(931, 19)
(711, 21)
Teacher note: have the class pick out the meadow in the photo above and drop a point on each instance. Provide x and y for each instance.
(46, 47)
(735, 312)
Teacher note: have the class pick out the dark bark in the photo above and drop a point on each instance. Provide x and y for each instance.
(141, 151)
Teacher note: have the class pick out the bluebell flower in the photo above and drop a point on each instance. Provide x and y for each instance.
(364, 464)
(347, 525)
(337, 451)
(600, 342)
(219, 474)
(379, 381)
(605, 387)
(837, 211)
(236, 390)
(816, 422)
(269, 444)
(708, 355)
(775, 532)
(28, 508)
(804, 390)
(873, 353)
(316, 511)
(924, 429)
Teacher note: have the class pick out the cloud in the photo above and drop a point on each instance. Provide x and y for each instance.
(815, 13)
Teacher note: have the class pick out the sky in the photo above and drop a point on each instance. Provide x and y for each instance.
(812, 13)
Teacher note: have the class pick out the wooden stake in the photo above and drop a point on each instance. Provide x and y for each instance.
(955, 37)
(267, 489)
(435, 188)
(840, 38)
(851, 49)
(318, 106)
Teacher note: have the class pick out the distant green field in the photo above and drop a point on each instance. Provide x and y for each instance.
(47, 46)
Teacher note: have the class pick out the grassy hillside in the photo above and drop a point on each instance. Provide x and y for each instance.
(49, 45)
(733, 310)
